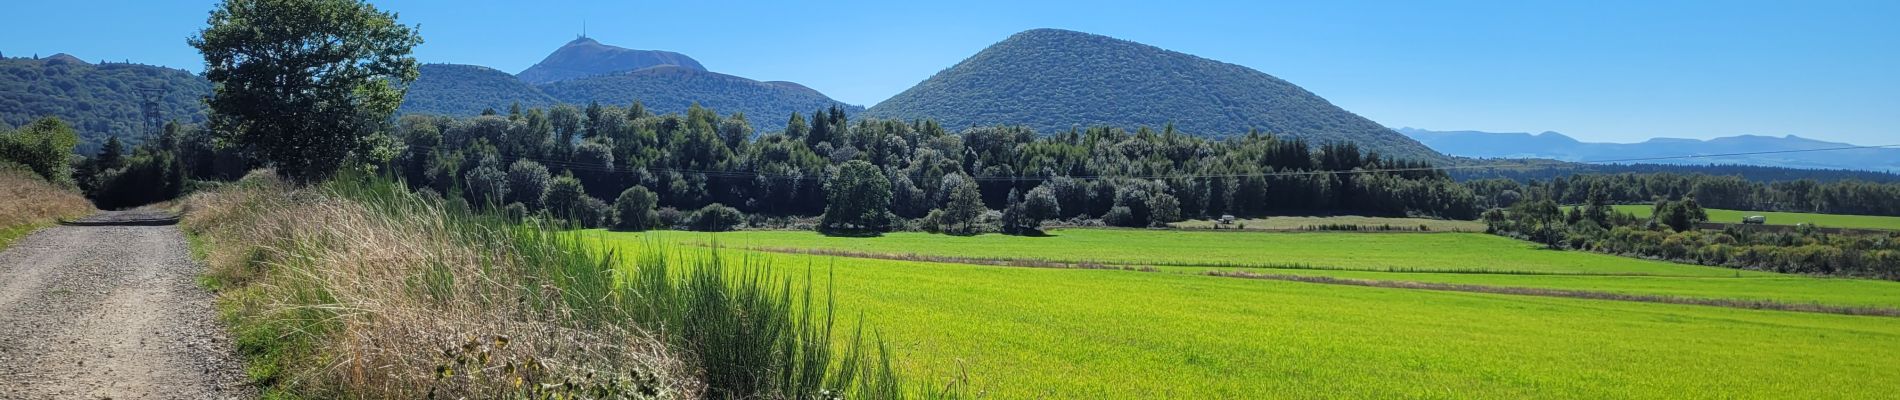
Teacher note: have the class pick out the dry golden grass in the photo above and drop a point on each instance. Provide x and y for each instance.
(26, 202)
(331, 298)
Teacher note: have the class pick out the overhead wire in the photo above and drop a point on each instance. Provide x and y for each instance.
(1523, 164)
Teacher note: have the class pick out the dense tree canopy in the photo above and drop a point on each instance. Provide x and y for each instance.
(304, 82)
(914, 169)
(42, 147)
(1713, 191)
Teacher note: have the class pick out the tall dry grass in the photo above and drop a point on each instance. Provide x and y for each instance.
(27, 202)
(333, 299)
(359, 288)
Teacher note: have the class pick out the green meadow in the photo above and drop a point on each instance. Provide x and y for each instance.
(1448, 252)
(1013, 332)
(1295, 223)
(1452, 258)
(1784, 218)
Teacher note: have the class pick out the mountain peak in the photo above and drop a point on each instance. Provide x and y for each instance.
(585, 57)
(63, 58)
(1052, 80)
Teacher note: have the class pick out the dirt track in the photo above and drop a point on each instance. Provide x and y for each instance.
(113, 311)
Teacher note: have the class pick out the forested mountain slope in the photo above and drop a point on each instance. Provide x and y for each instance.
(586, 57)
(666, 89)
(98, 100)
(1053, 80)
(459, 89)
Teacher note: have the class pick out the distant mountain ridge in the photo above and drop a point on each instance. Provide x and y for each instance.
(1052, 80)
(584, 57)
(585, 71)
(1557, 146)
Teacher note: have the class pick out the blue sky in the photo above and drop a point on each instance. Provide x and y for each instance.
(1597, 70)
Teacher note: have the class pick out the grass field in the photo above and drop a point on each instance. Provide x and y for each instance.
(1786, 218)
(1069, 333)
(1369, 223)
(1357, 256)
(1434, 252)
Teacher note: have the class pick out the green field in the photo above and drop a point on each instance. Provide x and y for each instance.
(1070, 333)
(1368, 223)
(1362, 251)
(1349, 255)
(1784, 218)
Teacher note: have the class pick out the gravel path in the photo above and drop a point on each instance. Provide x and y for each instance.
(98, 312)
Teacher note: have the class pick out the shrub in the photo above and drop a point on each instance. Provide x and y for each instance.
(671, 218)
(486, 186)
(716, 217)
(635, 210)
(1121, 216)
(593, 213)
(857, 200)
(1163, 209)
(516, 212)
(527, 183)
(43, 147)
(564, 197)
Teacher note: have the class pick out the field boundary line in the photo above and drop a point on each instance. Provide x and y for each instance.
(1035, 263)
(1575, 294)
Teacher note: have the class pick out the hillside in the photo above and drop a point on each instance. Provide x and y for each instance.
(1553, 145)
(458, 89)
(98, 100)
(673, 89)
(1052, 80)
(585, 57)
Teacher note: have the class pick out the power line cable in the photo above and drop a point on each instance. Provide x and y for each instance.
(1525, 164)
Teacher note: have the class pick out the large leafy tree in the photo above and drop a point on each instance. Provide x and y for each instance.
(858, 200)
(304, 83)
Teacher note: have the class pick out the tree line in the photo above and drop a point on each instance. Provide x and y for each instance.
(1849, 196)
(1670, 233)
(871, 175)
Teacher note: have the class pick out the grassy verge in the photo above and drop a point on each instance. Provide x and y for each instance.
(358, 288)
(33, 204)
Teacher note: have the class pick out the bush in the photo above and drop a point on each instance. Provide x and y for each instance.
(671, 218)
(593, 213)
(1163, 209)
(43, 147)
(716, 217)
(635, 207)
(1122, 217)
(148, 177)
(515, 212)
(527, 182)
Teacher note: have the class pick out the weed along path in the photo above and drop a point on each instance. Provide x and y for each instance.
(109, 307)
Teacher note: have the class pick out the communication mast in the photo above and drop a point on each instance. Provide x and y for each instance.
(153, 121)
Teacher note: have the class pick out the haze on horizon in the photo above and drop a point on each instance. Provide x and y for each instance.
(1611, 72)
